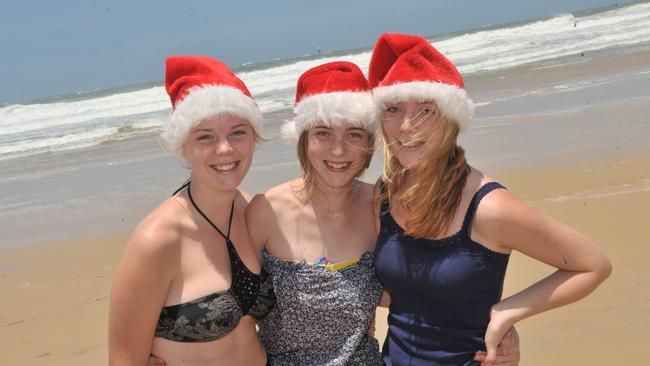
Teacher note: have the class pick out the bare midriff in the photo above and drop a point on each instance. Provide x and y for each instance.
(239, 347)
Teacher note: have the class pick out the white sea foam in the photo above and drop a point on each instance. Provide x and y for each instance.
(36, 128)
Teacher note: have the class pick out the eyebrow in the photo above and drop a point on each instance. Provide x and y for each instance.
(354, 128)
(210, 129)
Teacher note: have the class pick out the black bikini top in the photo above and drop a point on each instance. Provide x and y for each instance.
(211, 317)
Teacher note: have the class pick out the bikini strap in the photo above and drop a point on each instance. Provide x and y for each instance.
(232, 209)
(473, 205)
(186, 184)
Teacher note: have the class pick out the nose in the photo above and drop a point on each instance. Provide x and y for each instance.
(224, 147)
(338, 147)
(409, 121)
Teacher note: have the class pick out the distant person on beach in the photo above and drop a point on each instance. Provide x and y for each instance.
(446, 230)
(190, 285)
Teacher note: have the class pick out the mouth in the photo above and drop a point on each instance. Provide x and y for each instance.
(410, 144)
(337, 166)
(225, 167)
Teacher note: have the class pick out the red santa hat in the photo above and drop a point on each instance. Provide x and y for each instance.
(202, 87)
(331, 94)
(405, 67)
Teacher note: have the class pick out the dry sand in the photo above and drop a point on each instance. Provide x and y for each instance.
(55, 301)
(55, 295)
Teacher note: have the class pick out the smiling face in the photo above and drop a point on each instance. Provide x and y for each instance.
(336, 155)
(412, 130)
(220, 151)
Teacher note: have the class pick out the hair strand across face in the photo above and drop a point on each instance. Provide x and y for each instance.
(435, 183)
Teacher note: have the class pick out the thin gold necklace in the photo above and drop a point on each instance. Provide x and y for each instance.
(337, 214)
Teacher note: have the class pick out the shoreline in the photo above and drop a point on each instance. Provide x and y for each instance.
(566, 114)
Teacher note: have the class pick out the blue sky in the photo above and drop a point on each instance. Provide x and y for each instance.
(62, 47)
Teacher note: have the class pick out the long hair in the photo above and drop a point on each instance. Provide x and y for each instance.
(435, 183)
(308, 181)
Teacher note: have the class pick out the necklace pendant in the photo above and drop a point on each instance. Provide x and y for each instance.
(337, 215)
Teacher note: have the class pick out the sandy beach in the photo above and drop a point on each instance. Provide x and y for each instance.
(55, 295)
(582, 157)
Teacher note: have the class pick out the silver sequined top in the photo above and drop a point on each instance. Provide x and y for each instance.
(321, 316)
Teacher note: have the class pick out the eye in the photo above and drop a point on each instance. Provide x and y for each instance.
(392, 109)
(355, 136)
(205, 138)
(323, 133)
(428, 110)
(238, 133)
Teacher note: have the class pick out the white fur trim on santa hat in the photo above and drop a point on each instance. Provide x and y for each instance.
(205, 102)
(331, 109)
(451, 100)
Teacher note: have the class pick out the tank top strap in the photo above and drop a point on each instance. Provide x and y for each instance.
(385, 206)
(473, 205)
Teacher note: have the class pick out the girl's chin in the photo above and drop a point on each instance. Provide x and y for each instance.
(408, 161)
(226, 183)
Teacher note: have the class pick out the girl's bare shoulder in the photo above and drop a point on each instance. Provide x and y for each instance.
(157, 238)
(276, 199)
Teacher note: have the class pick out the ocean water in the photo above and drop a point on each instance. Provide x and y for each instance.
(91, 163)
(90, 119)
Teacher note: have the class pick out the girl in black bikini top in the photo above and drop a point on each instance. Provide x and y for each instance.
(211, 317)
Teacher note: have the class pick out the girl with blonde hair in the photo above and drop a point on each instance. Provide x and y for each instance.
(190, 285)
(446, 230)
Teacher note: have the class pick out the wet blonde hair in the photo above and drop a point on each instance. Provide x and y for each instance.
(436, 181)
(308, 181)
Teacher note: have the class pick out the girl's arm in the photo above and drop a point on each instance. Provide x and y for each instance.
(506, 221)
(140, 287)
(259, 216)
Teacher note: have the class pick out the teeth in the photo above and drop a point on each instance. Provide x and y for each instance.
(225, 167)
(410, 143)
(337, 165)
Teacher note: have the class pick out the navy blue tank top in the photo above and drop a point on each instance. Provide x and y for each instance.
(441, 291)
